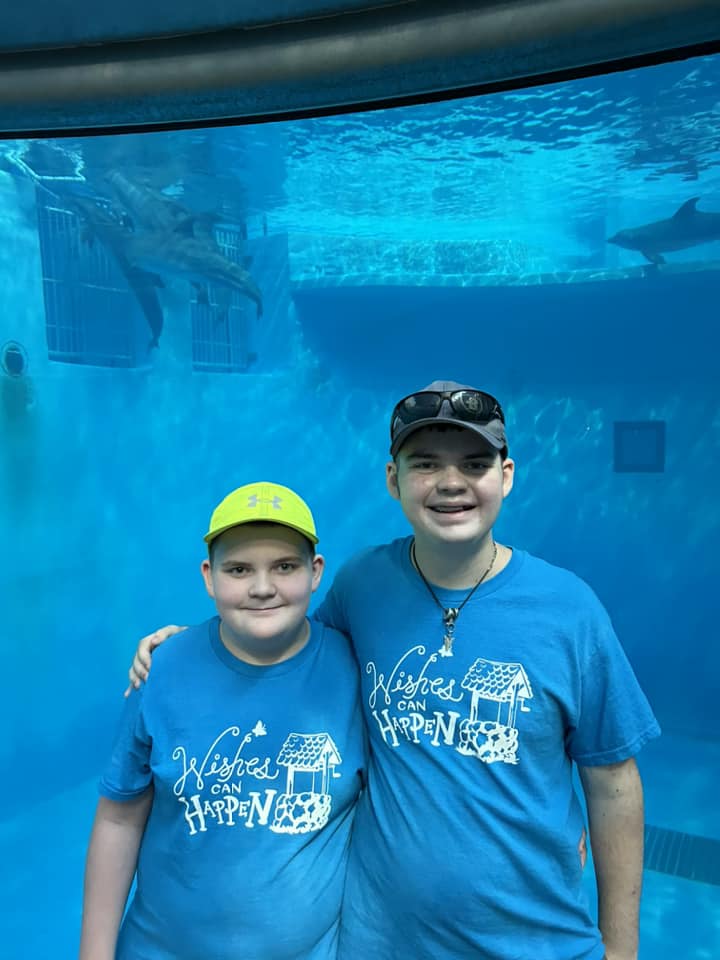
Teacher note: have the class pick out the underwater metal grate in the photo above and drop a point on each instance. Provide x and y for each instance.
(90, 314)
(682, 855)
(230, 338)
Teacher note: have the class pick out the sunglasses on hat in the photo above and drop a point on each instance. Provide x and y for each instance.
(468, 406)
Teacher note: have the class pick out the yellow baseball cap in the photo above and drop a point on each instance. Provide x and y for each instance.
(267, 502)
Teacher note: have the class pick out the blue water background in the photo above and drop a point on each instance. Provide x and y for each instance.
(462, 240)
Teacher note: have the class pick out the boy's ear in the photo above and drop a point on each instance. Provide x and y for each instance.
(391, 480)
(206, 571)
(508, 475)
(318, 566)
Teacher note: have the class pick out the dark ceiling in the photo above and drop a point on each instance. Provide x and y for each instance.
(69, 65)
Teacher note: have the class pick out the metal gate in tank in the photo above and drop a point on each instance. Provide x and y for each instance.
(91, 315)
(229, 333)
(101, 310)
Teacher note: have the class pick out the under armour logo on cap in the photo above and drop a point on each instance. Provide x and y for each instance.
(255, 501)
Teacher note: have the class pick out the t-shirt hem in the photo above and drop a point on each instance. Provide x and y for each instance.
(618, 754)
(121, 796)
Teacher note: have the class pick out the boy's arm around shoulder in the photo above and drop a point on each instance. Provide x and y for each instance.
(109, 871)
(333, 611)
(142, 661)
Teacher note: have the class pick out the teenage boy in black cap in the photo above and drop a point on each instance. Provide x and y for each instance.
(486, 674)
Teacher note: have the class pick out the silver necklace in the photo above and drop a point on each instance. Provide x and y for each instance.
(450, 614)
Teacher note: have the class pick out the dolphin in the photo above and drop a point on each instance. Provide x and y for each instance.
(193, 258)
(171, 237)
(100, 224)
(150, 209)
(688, 227)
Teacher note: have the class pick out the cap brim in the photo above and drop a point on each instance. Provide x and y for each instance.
(213, 534)
(480, 429)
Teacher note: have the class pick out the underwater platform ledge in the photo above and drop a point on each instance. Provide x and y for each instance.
(471, 280)
(583, 326)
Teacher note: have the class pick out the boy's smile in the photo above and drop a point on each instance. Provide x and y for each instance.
(452, 508)
(261, 578)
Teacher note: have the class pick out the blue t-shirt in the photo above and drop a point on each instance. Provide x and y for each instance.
(256, 771)
(467, 842)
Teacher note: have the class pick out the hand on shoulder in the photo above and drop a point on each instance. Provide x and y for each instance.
(142, 661)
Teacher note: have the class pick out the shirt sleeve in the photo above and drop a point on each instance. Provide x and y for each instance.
(128, 774)
(613, 719)
(331, 611)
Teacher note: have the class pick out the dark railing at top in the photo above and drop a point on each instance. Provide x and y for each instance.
(300, 58)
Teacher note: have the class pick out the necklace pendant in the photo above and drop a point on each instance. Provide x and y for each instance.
(450, 615)
(446, 649)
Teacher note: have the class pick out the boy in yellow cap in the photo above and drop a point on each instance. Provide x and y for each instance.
(232, 784)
